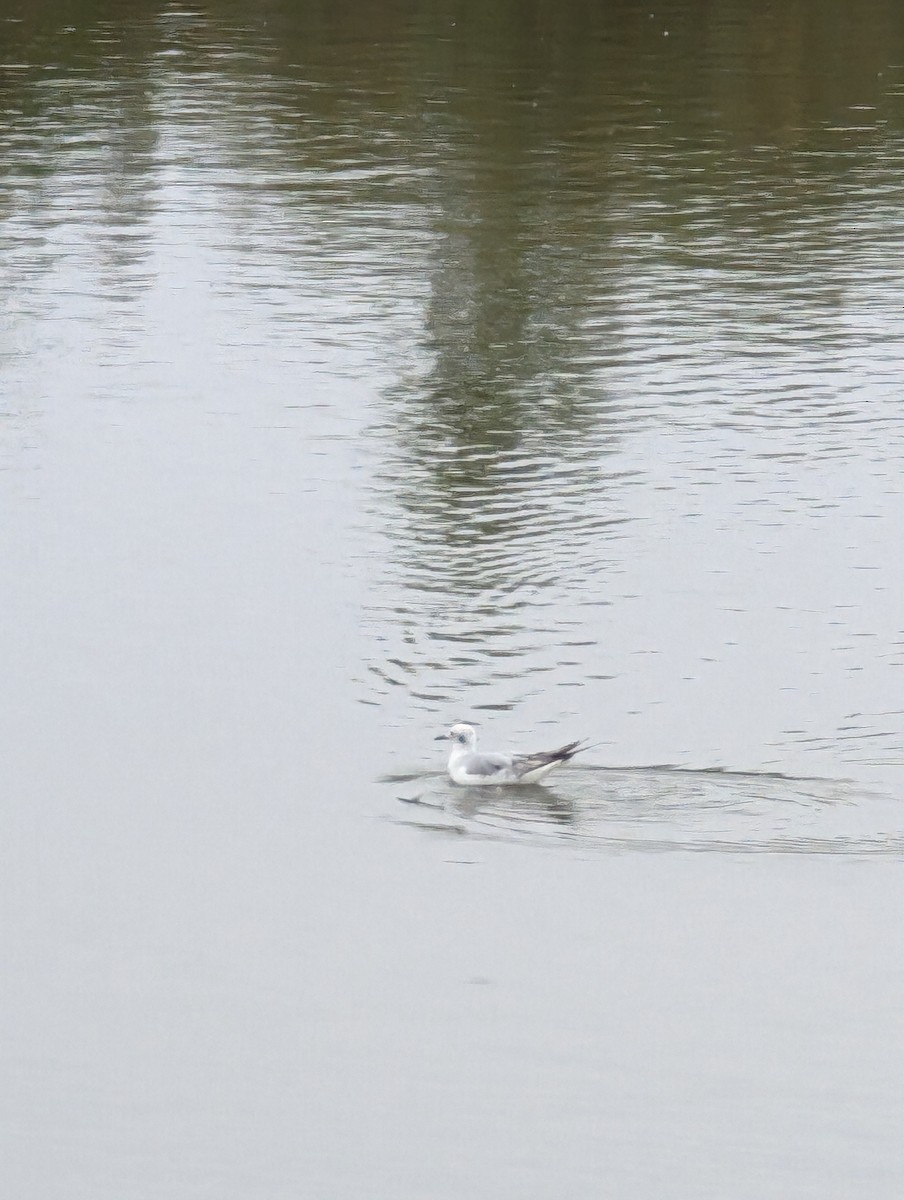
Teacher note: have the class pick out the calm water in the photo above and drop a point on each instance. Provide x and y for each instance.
(367, 368)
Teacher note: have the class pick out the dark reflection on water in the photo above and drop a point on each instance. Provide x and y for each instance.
(615, 294)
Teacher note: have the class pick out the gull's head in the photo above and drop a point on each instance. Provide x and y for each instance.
(460, 735)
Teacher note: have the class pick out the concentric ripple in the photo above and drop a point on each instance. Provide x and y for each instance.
(663, 809)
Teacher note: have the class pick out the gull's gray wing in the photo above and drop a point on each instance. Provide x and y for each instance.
(523, 764)
(486, 764)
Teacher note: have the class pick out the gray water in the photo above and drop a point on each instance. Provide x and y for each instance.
(365, 369)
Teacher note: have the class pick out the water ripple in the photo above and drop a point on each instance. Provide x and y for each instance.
(663, 809)
(608, 366)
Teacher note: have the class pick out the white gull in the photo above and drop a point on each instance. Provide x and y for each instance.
(468, 766)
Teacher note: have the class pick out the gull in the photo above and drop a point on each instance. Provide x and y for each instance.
(467, 766)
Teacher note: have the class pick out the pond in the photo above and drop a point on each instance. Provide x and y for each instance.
(367, 369)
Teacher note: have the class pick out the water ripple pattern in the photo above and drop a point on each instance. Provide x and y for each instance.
(497, 549)
(602, 362)
(660, 809)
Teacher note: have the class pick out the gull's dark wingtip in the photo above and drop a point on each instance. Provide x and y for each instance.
(567, 751)
(571, 749)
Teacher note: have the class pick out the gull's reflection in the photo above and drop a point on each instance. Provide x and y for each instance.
(529, 804)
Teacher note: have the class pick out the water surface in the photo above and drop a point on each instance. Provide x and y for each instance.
(362, 370)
